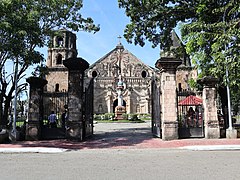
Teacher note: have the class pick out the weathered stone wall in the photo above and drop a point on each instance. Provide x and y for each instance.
(58, 76)
(136, 76)
(183, 75)
(211, 123)
(35, 111)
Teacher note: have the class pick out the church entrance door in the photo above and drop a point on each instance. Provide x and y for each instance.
(115, 103)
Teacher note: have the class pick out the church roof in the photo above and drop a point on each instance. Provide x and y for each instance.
(190, 101)
(119, 46)
(176, 44)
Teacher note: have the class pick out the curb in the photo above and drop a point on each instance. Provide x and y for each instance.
(211, 147)
(32, 150)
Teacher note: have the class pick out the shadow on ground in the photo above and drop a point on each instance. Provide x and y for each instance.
(120, 137)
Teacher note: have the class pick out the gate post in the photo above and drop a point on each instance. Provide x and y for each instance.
(35, 111)
(75, 124)
(168, 66)
(211, 123)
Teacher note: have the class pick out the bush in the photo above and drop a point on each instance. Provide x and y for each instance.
(134, 117)
(125, 116)
(101, 117)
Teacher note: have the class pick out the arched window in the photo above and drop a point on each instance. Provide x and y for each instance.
(59, 41)
(57, 88)
(179, 86)
(59, 59)
(94, 74)
(144, 74)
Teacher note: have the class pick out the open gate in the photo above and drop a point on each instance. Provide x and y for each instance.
(190, 115)
(156, 116)
(88, 110)
(57, 102)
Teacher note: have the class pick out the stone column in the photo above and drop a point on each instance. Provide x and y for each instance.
(109, 101)
(211, 123)
(168, 66)
(128, 101)
(35, 110)
(75, 123)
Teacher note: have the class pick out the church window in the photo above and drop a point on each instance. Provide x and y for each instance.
(57, 88)
(179, 86)
(94, 74)
(59, 42)
(59, 59)
(144, 74)
(100, 109)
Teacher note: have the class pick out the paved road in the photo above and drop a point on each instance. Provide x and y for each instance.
(121, 151)
(124, 164)
(121, 136)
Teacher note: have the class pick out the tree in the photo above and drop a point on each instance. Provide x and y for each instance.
(26, 25)
(209, 29)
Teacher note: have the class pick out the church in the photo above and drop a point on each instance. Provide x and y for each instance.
(136, 75)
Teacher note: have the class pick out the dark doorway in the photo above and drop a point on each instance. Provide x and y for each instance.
(115, 103)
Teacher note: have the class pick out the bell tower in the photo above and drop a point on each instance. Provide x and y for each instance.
(62, 47)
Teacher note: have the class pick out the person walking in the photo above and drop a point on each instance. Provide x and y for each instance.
(52, 120)
(64, 118)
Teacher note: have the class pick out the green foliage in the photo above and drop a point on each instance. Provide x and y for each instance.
(27, 25)
(209, 29)
(103, 117)
(134, 117)
(109, 117)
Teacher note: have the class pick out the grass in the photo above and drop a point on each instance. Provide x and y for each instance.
(120, 121)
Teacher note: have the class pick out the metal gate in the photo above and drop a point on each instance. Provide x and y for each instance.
(156, 117)
(88, 110)
(57, 102)
(190, 115)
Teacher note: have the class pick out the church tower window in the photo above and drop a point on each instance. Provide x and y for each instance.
(59, 41)
(57, 88)
(59, 59)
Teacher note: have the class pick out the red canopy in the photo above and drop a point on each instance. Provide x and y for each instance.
(190, 101)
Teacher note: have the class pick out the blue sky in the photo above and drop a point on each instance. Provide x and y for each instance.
(112, 22)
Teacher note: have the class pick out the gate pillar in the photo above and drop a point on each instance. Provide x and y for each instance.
(35, 112)
(211, 123)
(168, 66)
(75, 123)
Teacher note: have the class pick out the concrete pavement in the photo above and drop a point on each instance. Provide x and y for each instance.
(120, 136)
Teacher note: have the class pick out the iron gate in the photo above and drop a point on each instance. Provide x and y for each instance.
(156, 117)
(57, 102)
(88, 110)
(190, 115)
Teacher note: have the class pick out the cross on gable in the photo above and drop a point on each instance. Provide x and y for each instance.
(119, 39)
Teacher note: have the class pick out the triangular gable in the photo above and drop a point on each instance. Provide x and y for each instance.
(190, 101)
(134, 59)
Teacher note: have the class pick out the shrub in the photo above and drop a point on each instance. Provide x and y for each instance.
(134, 117)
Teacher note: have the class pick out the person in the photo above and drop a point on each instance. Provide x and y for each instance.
(52, 120)
(64, 118)
(191, 114)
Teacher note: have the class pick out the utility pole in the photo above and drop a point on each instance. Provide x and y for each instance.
(14, 131)
(231, 133)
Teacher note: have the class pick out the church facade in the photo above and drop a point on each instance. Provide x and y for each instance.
(136, 77)
(119, 62)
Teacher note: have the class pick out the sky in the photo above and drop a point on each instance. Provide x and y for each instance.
(112, 20)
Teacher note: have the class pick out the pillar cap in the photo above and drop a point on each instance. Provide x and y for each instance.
(208, 81)
(76, 64)
(36, 82)
(168, 63)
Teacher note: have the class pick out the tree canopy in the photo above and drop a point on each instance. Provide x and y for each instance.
(26, 25)
(209, 30)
